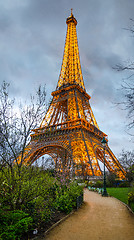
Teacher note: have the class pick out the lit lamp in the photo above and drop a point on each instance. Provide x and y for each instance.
(104, 193)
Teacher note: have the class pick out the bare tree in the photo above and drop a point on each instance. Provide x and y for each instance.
(126, 159)
(16, 123)
(128, 85)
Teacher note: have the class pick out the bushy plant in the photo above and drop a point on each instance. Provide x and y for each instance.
(30, 191)
(14, 224)
(91, 184)
(35, 196)
(86, 183)
(66, 196)
(111, 179)
(79, 180)
(63, 202)
(130, 197)
(124, 184)
(98, 184)
(18, 189)
(75, 191)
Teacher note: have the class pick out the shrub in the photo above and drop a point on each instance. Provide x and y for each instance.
(18, 189)
(64, 203)
(91, 184)
(98, 184)
(66, 197)
(124, 184)
(30, 198)
(111, 179)
(14, 224)
(130, 197)
(30, 194)
(86, 183)
(79, 180)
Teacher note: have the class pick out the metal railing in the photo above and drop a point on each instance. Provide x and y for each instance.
(79, 201)
(50, 130)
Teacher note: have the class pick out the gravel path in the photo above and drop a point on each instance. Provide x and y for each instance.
(100, 218)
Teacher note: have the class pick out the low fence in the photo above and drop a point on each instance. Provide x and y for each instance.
(99, 190)
(79, 201)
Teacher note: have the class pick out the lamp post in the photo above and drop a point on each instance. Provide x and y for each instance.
(104, 193)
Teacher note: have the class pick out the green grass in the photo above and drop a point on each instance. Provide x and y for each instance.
(119, 193)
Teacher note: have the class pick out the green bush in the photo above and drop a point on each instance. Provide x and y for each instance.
(79, 180)
(30, 197)
(131, 197)
(30, 192)
(75, 191)
(111, 180)
(90, 184)
(98, 184)
(14, 224)
(66, 197)
(20, 188)
(64, 203)
(124, 184)
(86, 183)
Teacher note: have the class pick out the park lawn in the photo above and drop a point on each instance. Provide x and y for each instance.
(119, 193)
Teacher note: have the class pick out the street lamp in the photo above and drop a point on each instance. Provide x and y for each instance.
(104, 193)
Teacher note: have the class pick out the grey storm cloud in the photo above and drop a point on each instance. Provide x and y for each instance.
(32, 37)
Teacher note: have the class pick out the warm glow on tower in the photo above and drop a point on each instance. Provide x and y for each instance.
(69, 131)
(71, 69)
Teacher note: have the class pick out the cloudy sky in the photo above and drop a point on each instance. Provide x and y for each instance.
(32, 37)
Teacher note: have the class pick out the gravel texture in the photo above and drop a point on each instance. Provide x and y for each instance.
(99, 218)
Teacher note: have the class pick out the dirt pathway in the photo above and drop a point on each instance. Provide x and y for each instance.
(98, 219)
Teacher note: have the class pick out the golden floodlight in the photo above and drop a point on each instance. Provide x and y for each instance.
(69, 132)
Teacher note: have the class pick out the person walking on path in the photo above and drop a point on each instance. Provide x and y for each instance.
(99, 218)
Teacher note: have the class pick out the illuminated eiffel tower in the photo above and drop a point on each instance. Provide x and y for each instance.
(69, 132)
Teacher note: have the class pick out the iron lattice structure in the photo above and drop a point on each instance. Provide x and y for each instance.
(69, 132)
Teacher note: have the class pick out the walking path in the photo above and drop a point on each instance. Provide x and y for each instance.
(99, 218)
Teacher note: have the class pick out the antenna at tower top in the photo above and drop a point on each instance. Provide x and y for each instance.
(71, 12)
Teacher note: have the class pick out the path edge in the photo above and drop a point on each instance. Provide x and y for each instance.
(57, 223)
(130, 210)
(126, 205)
(52, 227)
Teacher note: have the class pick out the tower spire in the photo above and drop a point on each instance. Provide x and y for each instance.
(71, 73)
(71, 11)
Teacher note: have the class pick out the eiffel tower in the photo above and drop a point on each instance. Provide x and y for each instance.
(69, 132)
